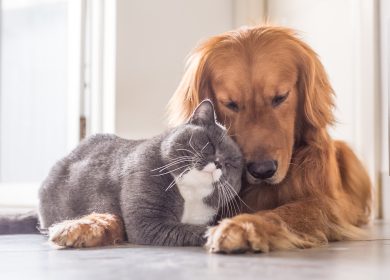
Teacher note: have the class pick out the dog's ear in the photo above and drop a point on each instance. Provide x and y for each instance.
(195, 84)
(316, 94)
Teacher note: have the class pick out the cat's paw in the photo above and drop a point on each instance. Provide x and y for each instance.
(89, 231)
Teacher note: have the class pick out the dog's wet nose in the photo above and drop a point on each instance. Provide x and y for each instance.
(262, 169)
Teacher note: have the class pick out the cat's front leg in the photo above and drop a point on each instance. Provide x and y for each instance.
(93, 230)
(160, 233)
(182, 235)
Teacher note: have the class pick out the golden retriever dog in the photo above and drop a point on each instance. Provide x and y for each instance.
(302, 189)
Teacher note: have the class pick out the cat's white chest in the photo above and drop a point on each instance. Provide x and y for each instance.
(194, 186)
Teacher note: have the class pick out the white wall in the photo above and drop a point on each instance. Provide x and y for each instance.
(33, 89)
(385, 90)
(153, 40)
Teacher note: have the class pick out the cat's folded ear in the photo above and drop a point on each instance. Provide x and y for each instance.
(204, 114)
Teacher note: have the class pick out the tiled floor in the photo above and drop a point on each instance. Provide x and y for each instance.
(30, 257)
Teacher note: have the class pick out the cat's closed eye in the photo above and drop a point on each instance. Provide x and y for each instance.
(208, 149)
(233, 162)
(231, 165)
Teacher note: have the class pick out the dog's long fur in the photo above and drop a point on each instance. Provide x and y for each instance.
(322, 192)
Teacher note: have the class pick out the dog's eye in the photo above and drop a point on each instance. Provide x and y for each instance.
(279, 99)
(232, 106)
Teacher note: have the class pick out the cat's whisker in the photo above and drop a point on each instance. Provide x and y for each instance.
(233, 201)
(235, 197)
(223, 135)
(195, 156)
(168, 166)
(160, 169)
(204, 147)
(178, 158)
(194, 152)
(218, 193)
(179, 177)
(192, 147)
(222, 201)
(231, 187)
(186, 150)
(231, 206)
(183, 173)
(175, 161)
(171, 185)
(225, 202)
(171, 170)
(225, 132)
(220, 204)
(198, 163)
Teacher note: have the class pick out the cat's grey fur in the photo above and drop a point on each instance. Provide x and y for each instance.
(108, 174)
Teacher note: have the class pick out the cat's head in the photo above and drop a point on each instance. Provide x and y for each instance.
(203, 146)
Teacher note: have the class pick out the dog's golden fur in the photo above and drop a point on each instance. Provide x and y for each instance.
(93, 230)
(321, 191)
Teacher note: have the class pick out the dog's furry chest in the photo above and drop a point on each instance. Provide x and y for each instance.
(194, 187)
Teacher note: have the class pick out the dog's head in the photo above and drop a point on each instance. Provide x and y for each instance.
(269, 89)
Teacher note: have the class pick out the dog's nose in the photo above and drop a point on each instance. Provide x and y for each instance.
(262, 169)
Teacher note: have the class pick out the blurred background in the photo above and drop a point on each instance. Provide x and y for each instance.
(71, 68)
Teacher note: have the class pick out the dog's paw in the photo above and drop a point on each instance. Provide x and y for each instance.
(254, 233)
(233, 236)
(89, 231)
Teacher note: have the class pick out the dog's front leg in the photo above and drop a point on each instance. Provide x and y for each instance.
(296, 225)
(92, 230)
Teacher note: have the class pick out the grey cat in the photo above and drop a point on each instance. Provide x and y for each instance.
(166, 189)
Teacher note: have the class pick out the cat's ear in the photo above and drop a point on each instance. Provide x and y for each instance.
(204, 114)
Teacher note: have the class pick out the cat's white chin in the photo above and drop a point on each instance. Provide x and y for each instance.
(213, 171)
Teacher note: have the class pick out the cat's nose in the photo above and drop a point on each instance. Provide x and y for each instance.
(262, 169)
(218, 165)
